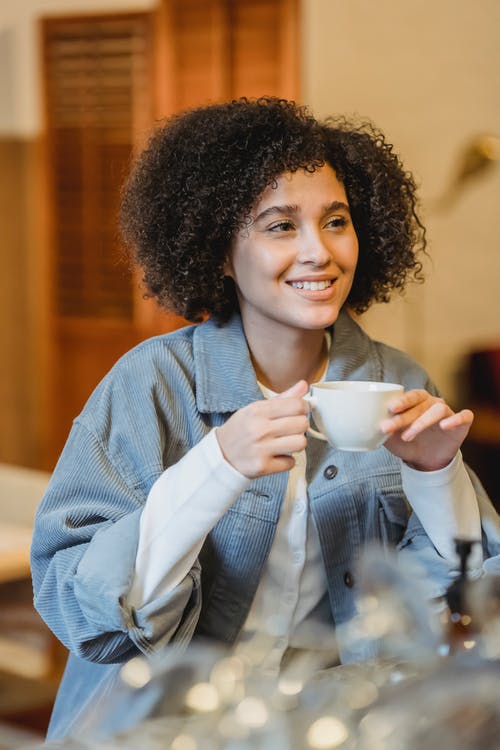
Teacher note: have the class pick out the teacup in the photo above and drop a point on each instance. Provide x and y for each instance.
(349, 412)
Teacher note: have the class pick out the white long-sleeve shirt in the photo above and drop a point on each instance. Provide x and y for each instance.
(205, 485)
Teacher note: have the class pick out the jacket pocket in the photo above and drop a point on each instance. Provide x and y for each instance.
(393, 515)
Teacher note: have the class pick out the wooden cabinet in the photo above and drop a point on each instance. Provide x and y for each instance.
(106, 79)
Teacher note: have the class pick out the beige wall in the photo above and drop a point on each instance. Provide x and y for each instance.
(428, 74)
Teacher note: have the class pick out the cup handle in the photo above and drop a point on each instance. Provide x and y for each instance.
(316, 434)
(310, 430)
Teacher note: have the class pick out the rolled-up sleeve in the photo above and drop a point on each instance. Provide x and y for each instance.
(83, 556)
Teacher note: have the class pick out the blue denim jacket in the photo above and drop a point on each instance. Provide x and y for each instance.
(158, 401)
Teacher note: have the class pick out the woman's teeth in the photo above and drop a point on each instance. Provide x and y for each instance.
(314, 286)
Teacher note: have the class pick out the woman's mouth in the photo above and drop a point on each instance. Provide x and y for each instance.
(313, 286)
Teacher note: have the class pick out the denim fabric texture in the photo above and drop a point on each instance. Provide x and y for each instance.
(158, 401)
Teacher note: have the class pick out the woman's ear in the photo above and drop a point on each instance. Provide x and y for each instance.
(228, 268)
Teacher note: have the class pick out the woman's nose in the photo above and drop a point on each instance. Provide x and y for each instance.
(313, 250)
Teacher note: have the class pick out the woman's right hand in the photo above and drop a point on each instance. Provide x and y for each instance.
(260, 438)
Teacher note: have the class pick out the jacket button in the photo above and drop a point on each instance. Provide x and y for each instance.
(330, 472)
(348, 579)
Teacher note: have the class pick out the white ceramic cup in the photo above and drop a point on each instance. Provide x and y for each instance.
(349, 412)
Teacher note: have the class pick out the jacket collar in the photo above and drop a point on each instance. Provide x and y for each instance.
(353, 354)
(225, 378)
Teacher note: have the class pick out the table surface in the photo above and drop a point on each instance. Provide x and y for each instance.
(21, 489)
(15, 544)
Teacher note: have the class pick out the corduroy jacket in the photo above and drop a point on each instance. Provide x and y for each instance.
(158, 401)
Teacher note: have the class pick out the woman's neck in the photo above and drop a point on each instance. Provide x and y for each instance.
(279, 364)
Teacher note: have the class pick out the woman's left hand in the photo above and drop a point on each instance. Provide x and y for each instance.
(423, 431)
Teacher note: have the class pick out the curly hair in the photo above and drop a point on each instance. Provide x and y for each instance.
(193, 187)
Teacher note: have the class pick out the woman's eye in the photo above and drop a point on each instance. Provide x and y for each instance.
(337, 222)
(281, 226)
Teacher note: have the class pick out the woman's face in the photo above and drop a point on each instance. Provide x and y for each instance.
(293, 267)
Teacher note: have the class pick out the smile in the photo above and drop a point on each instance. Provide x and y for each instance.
(314, 286)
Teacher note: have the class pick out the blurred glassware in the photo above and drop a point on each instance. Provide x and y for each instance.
(396, 621)
(456, 706)
(408, 696)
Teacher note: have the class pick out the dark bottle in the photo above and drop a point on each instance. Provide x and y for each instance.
(462, 625)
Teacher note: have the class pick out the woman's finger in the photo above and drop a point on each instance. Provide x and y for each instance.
(400, 422)
(410, 399)
(295, 425)
(459, 419)
(279, 407)
(432, 416)
(287, 444)
(300, 388)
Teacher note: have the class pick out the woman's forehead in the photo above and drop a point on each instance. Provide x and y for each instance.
(297, 186)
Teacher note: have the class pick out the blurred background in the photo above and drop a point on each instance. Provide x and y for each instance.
(81, 84)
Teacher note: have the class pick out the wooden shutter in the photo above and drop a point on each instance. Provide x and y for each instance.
(98, 93)
(264, 59)
(213, 50)
(97, 75)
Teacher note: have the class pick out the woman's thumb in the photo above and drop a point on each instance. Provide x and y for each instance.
(298, 389)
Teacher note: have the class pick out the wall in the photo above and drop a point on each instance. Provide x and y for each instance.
(428, 74)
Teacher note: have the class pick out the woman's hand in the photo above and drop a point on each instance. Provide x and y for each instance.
(424, 431)
(259, 438)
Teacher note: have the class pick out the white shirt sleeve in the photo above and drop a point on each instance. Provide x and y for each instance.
(182, 507)
(446, 505)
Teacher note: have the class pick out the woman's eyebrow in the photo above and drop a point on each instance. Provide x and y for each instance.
(337, 206)
(291, 209)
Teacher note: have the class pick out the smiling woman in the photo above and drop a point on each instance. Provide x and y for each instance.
(200, 504)
(293, 268)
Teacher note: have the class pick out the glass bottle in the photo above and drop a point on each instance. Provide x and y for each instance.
(462, 625)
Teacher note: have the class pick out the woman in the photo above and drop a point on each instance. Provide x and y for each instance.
(188, 500)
